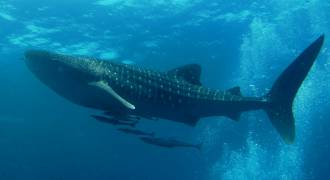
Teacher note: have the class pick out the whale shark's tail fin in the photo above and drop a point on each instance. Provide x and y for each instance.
(284, 90)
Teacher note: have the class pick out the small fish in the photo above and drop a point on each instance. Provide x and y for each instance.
(114, 121)
(136, 132)
(169, 142)
(120, 117)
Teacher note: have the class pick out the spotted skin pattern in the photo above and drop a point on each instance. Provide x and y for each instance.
(136, 83)
(175, 95)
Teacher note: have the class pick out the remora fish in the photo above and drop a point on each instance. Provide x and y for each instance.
(169, 142)
(136, 132)
(113, 121)
(176, 95)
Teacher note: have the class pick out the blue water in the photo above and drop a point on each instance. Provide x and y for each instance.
(43, 136)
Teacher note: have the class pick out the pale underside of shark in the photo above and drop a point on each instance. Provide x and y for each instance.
(177, 95)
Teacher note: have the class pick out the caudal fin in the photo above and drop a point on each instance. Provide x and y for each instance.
(285, 88)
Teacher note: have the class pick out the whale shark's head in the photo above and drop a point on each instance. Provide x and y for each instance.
(68, 76)
(56, 68)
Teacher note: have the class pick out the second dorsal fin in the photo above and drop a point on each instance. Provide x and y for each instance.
(190, 73)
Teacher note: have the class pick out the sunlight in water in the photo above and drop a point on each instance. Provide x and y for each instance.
(264, 52)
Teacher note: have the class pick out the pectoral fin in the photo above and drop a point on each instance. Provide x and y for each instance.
(104, 86)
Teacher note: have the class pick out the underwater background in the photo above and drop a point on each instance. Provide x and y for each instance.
(43, 136)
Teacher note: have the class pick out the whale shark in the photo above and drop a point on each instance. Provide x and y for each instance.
(126, 90)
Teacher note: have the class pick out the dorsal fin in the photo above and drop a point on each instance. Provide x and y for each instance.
(190, 73)
(235, 91)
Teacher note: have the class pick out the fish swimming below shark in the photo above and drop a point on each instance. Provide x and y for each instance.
(114, 121)
(136, 132)
(177, 95)
(169, 142)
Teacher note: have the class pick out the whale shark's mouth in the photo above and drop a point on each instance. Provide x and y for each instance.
(35, 60)
(37, 54)
(53, 68)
